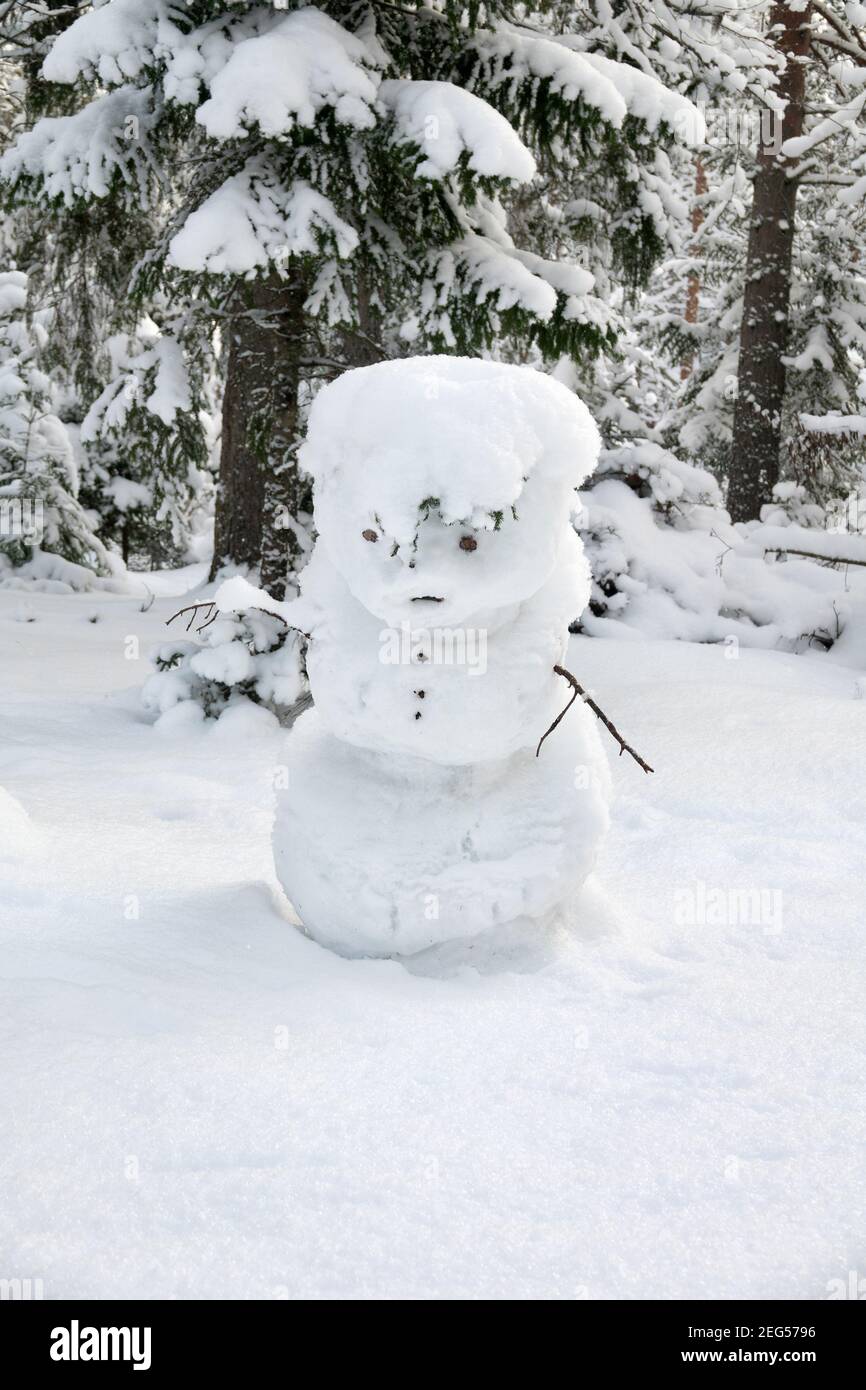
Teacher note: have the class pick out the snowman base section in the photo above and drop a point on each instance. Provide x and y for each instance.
(388, 855)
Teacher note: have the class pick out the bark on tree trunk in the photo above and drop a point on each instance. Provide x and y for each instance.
(260, 492)
(287, 494)
(693, 284)
(238, 520)
(361, 346)
(764, 331)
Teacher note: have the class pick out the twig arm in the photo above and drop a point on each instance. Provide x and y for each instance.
(559, 718)
(577, 689)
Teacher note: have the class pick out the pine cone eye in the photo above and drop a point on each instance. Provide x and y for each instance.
(468, 543)
(369, 535)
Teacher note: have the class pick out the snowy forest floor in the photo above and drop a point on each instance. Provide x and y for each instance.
(198, 1101)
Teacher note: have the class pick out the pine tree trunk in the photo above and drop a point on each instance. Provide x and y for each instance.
(287, 493)
(764, 331)
(240, 492)
(361, 346)
(260, 492)
(693, 284)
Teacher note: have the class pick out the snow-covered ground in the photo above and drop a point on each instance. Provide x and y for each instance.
(197, 1101)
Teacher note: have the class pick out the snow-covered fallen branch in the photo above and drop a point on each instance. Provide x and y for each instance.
(815, 555)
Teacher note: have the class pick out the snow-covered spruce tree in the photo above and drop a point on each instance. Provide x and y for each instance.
(821, 145)
(139, 468)
(826, 355)
(44, 531)
(756, 440)
(146, 445)
(823, 331)
(60, 268)
(697, 416)
(339, 170)
(714, 59)
(714, 56)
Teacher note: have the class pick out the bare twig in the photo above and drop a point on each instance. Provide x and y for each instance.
(214, 612)
(811, 555)
(578, 689)
(290, 626)
(721, 558)
(193, 609)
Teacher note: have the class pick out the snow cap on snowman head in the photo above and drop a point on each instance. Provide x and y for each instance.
(444, 485)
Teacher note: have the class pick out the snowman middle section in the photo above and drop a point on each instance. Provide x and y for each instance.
(454, 694)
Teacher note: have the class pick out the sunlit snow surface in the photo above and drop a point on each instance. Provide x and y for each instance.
(199, 1102)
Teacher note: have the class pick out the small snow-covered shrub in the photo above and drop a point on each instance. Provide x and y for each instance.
(667, 561)
(674, 488)
(792, 506)
(51, 574)
(638, 493)
(146, 443)
(241, 658)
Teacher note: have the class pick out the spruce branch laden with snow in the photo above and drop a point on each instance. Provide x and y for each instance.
(46, 536)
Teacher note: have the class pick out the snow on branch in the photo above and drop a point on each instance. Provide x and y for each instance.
(304, 63)
(494, 270)
(510, 55)
(507, 56)
(253, 219)
(648, 99)
(115, 42)
(815, 555)
(845, 119)
(834, 424)
(156, 364)
(445, 123)
(79, 156)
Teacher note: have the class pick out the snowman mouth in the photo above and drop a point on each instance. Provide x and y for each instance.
(427, 598)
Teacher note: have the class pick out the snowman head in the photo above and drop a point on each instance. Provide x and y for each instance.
(444, 485)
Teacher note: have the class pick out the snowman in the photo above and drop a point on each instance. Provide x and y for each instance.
(437, 600)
